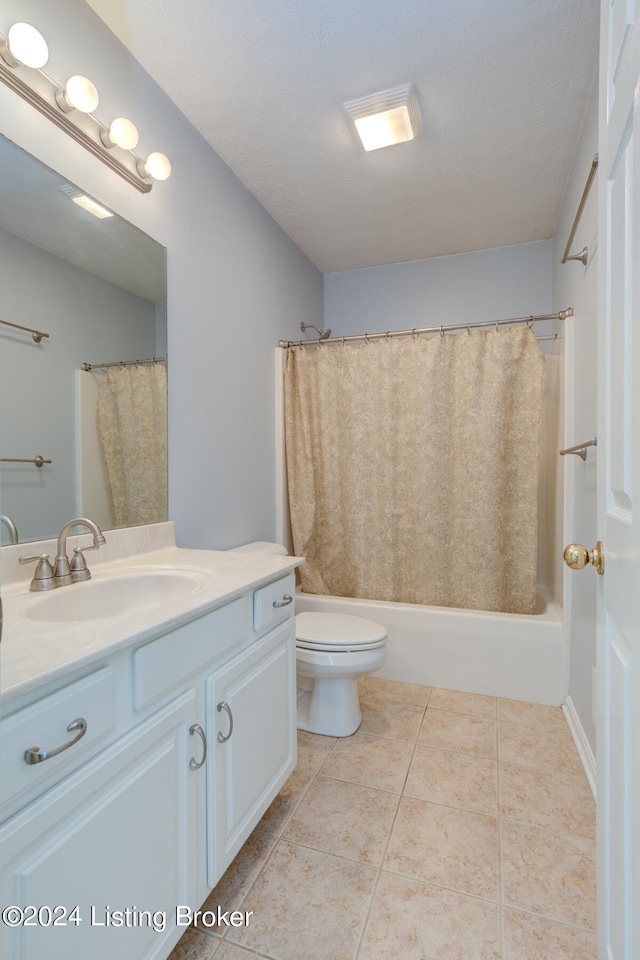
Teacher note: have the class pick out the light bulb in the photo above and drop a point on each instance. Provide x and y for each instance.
(157, 166)
(26, 45)
(79, 94)
(122, 133)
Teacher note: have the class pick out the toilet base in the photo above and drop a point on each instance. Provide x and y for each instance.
(331, 707)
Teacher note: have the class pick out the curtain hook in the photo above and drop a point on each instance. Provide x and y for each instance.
(414, 334)
(441, 330)
(469, 329)
(530, 322)
(343, 341)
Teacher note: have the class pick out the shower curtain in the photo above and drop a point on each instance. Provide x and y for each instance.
(413, 468)
(132, 424)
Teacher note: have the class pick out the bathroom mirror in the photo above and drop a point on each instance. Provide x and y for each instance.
(98, 288)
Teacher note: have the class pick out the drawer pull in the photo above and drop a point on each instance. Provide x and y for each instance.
(193, 763)
(286, 600)
(36, 755)
(225, 706)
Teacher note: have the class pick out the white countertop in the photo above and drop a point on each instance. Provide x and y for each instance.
(33, 653)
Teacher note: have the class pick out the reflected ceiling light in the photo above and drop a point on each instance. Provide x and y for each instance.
(79, 94)
(87, 203)
(122, 133)
(156, 165)
(25, 44)
(385, 118)
(22, 54)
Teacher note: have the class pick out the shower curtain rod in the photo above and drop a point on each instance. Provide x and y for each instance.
(562, 315)
(121, 363)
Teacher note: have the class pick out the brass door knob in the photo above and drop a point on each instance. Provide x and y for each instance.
(576, 556)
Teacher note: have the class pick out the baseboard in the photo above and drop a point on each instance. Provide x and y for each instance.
(582, 744)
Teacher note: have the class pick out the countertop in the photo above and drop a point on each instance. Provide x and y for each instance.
(33, 653)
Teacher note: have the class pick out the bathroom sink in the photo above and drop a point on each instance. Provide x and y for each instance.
(114, 596)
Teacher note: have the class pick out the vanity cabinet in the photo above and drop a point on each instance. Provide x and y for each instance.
(193, 733)
(113, 837)
(250, 702)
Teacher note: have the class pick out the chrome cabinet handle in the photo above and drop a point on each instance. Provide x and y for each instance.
(225, 706)
(196, 728)
(36, 755)
(286, 600)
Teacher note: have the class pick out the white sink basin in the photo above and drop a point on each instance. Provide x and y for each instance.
(114, 596)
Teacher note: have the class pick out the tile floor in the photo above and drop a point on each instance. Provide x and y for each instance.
(451, 826)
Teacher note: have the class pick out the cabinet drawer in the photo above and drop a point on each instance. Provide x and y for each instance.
(272, 604)
(44, 725)
(161, 665)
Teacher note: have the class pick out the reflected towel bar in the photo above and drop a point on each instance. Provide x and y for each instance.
(36, 334)
(584, 253)
(121, 363)
(580, 449)
(38, 460)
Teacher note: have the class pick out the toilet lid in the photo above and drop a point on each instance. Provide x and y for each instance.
(338, 631)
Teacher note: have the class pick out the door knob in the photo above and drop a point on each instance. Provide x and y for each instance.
(576, 556)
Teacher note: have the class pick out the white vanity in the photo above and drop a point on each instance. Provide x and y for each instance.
(180, 713)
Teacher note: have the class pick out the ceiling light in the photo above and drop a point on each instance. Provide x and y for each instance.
(79, 94)
(122, 133)
(385, 118)
(156, 165)
(25, 44)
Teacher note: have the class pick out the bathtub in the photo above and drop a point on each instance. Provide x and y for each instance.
(499, 654)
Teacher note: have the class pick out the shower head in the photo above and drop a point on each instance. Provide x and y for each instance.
(322, 334)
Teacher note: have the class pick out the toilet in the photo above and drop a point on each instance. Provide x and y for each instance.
(333, 650)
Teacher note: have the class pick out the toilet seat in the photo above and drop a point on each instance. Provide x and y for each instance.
(338, 633)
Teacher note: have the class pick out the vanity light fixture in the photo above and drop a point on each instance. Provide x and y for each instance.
(23, 53)
(385, 118)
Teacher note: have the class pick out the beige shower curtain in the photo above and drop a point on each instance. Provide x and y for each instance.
(132, 423)
(413, 468)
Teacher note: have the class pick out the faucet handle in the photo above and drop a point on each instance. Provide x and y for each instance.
(43, 578)
(79, 569)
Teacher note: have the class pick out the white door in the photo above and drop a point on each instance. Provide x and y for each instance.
(618, 739)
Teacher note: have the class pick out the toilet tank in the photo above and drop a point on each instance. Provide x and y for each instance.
(262, 546)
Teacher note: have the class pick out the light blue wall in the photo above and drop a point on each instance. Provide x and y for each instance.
(236, 282)
(487, 285)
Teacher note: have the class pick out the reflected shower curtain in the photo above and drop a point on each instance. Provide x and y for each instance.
(413, 468)
(132, 423)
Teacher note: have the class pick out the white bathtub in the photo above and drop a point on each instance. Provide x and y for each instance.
(499, 654)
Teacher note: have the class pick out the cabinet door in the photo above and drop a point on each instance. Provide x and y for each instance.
(115, 839)
(251, 719)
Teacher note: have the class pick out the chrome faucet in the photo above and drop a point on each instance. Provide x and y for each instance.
(65, 572)
(11, 527)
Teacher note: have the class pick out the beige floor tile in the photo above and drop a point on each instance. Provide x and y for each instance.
(459, 702)
(194, 946)
(454, 779)
(559, 800)
(313, 750)
(363, 685)
(460, 732)
(534, 938)
(549, 873)
(535, 736)
(415, 693)
(345, 819)
(232, 887)
(370, 761)
(307, 904)
(391, 720)
(442, 845)
(416, 921)
(230, 951)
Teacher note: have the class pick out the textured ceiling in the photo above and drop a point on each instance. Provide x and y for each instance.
(502, 87)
